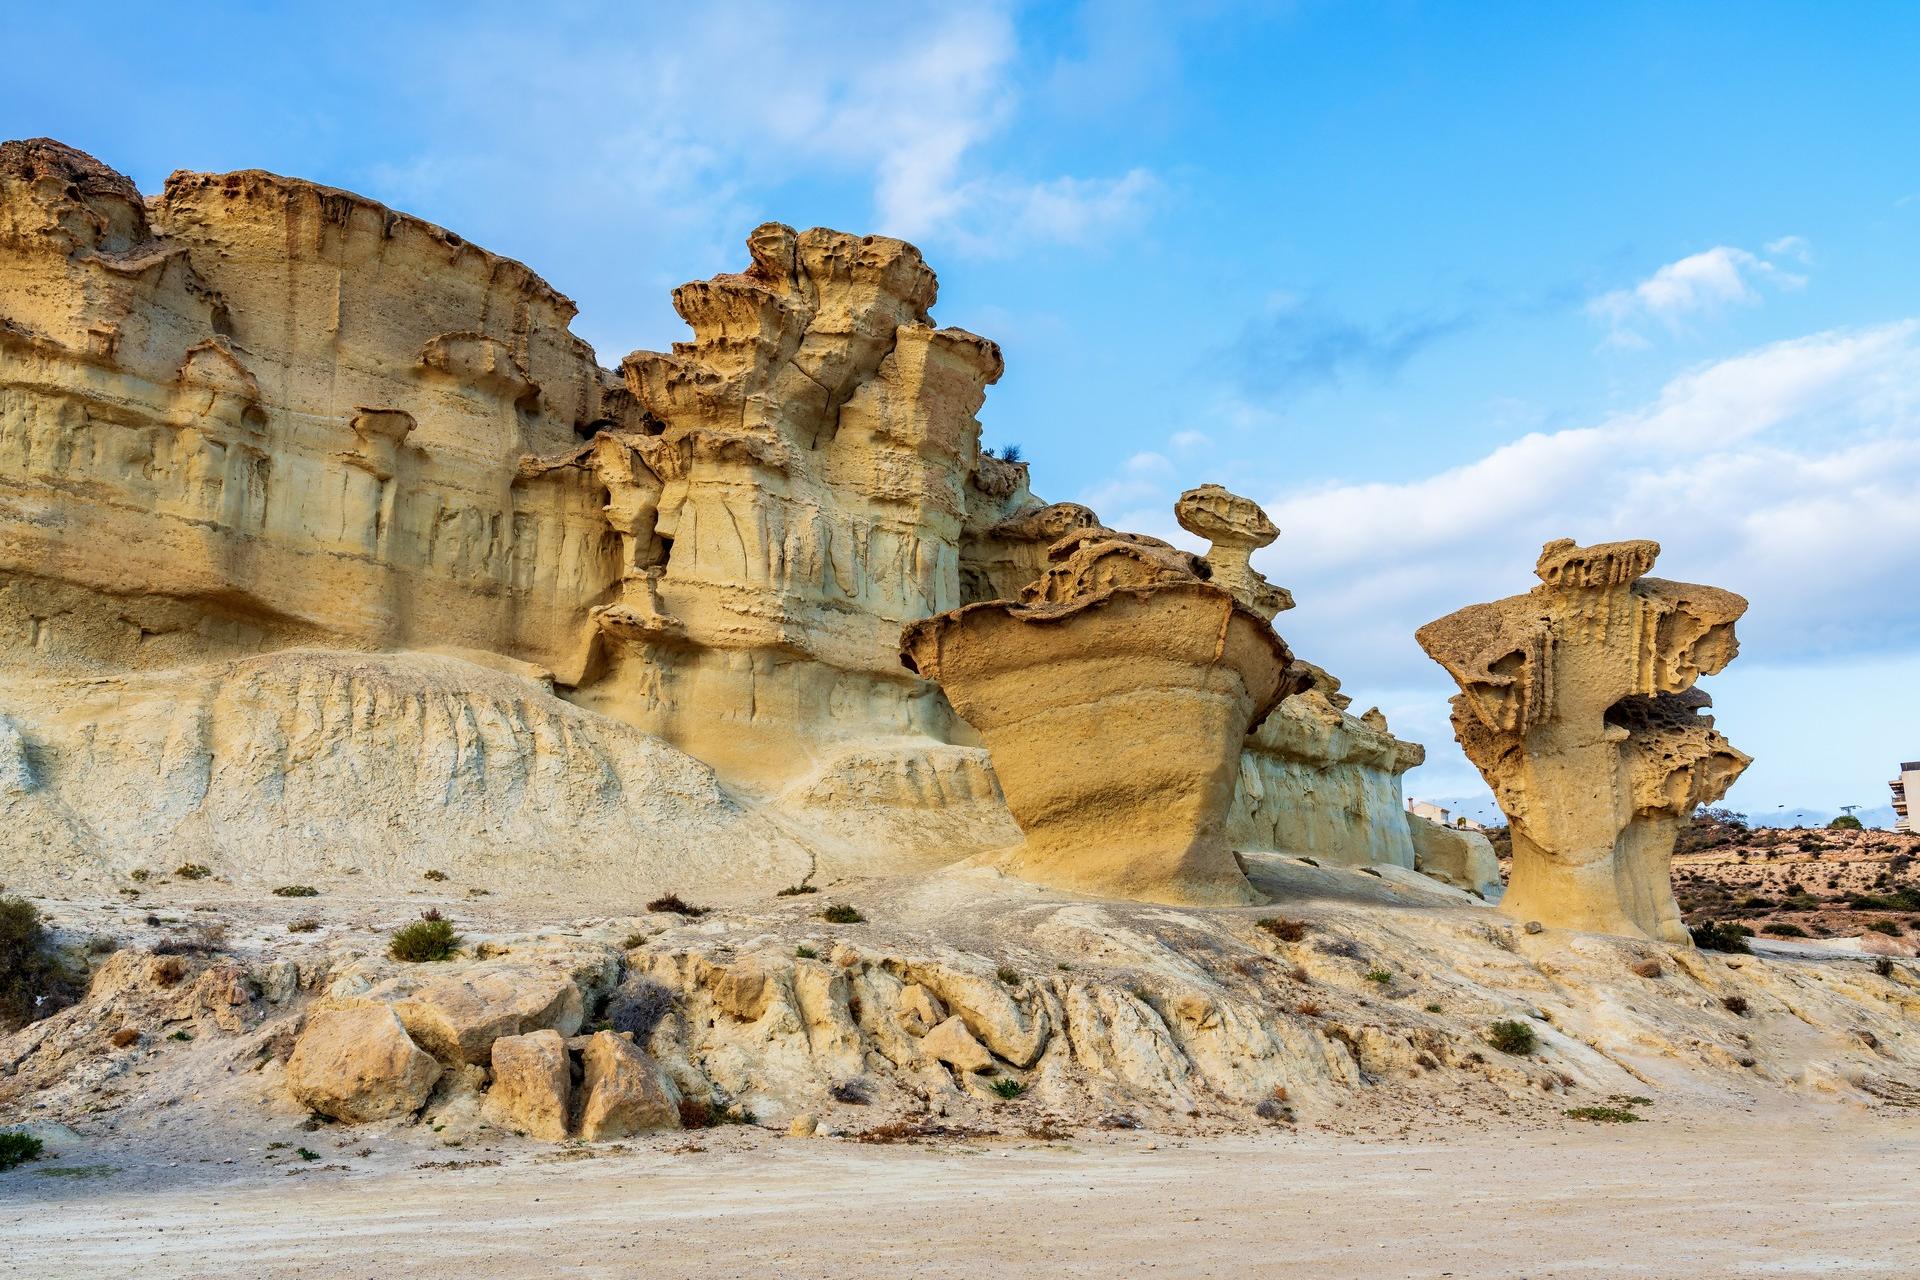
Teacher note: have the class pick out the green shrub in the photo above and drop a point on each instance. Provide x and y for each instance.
(191, 871)
(805, 952)
(429, 938)
(1845, 822)
(671, 904)
(296, 891)
(16, 1148)
(435, 876)
(1721, 935)
(1783, 929)
(33, 980)
(1885, 926)
(795, 890)
(1379, 976)
(1511, 1036)
(1604, 1115)
(842, 913)
(305, 1154)
(1006, 1087)
(1734, 1004)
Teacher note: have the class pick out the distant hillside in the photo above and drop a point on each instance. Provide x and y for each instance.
(1483, 810)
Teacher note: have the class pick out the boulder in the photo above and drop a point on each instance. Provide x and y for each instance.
(359, 1064)
(920, 1009)
(1456, 856)
(625, 1091)
(458, 1019)
(953, 1044)
(532, 1081)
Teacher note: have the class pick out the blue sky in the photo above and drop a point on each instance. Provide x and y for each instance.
(1435, 282)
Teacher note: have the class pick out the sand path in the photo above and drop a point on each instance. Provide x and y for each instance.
(1822, 1193)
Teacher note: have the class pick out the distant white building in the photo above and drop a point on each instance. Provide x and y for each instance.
(1434, 813)
(1909, 779)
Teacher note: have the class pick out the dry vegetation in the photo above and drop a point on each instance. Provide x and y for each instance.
(1793, 882)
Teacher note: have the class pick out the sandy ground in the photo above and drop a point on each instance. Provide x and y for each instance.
(1827, 1191)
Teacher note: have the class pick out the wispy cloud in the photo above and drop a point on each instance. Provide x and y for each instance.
(1298, 345)
(1786, 474)
(1698, 285)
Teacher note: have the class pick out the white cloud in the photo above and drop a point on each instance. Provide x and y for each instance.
(1189, 441)
(1787, 474)
(1698, 285)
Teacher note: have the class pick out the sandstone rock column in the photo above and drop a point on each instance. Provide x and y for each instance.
(1114, 699)
(1578, 707)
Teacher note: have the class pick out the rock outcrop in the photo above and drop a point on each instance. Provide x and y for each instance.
(1114, 698)
(402, 577)
(358, 1064)
(1578, 706)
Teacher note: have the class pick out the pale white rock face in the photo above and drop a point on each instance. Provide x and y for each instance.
(325, 547)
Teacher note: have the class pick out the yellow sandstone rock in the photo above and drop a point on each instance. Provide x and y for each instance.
(1578, 707)
(358, 1064)
(1115, 698)
(531, 1083)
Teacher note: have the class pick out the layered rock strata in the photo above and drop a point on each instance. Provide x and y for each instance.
(1578, 706)
(315, 518)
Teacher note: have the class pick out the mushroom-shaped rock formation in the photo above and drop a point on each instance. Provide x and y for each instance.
(1578, 707)
(1114, 698)
(1237, 527)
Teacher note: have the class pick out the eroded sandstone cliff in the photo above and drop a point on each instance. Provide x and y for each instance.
(293, 486)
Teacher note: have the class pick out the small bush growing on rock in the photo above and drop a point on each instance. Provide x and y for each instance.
(429, 938)
(139, 876)
(795, 890)
(1284, 929)
(305, 924)
(805, 952)
(1274, 1109)
(841, 913)
(1010, 977)
(124, 1037)
(1884, 926)
(852, 1092)
(1380, 977)
(1309, 1008)
(1721, 935)
(184, 1037)
(1783, 929)
(191, 871)
(638, 1006)
(1511, 1036)
(699, 1113)
(296, 891)
(1603, 1115)
(1734, 1004)
(634, 940)
(671, 904)
(435, 876)
(16, 1148)
(1006, 1087)
(1433, 1008)
(306, 1154)
(1883, 967)
(33, 981)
